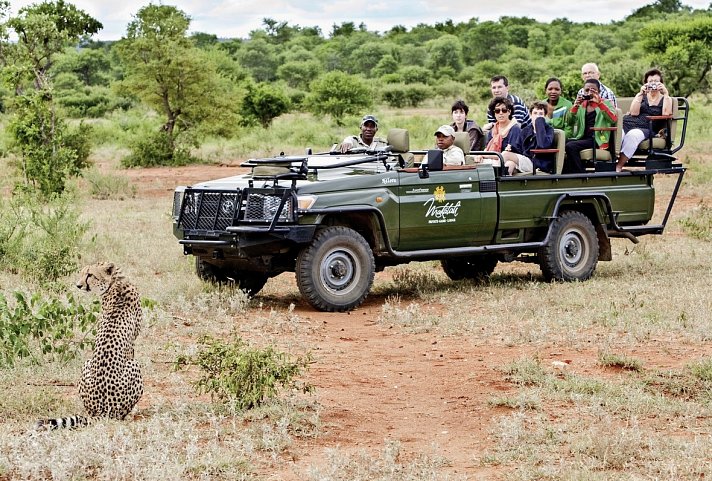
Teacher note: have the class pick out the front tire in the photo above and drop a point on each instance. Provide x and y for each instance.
(335, 272)
(477, 268)
(572, 251)
(248, 281)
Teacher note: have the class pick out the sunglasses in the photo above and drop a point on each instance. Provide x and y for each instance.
(501, 111)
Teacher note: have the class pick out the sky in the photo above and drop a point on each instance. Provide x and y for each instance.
(236, 18)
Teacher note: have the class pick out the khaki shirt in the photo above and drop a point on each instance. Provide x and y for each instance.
(357, 142)
(453, 155)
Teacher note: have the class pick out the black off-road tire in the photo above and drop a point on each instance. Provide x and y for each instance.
(250, 282)
(477, 268)
(335, 272)
(572, 251)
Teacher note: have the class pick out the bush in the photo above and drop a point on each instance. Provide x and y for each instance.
(400, 95)
(40, 241)
(50, 152)
(154, 150)
(91, 101)
(44, 329)
(242, 376)
(264, 102)
(339, 94)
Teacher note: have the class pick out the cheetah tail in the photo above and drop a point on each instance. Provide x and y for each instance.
(69, 422)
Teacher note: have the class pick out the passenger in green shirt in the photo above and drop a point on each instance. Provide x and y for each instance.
(557, 106)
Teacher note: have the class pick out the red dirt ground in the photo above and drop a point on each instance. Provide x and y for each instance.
(377, 383)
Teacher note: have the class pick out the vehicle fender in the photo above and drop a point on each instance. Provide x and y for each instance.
(596, 207)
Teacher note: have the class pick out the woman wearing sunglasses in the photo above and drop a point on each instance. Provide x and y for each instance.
(506, 137)
(589, 110)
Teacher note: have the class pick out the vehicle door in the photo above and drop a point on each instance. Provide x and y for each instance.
(443, 210)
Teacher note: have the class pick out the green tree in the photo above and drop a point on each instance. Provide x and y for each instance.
(338, 94)
(49, 151)
(444, 52)
(166, 71)
(658, 8)
(299, 74)
(259, 57)
(264, 102)
(684, 51)
(366, 57)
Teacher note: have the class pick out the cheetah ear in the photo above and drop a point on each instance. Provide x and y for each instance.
(110, 268)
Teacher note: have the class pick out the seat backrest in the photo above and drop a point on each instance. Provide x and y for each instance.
(462, 140)
(559, 143)
(619, 129)
(399, 140)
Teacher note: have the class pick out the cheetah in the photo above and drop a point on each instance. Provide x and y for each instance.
(111, 382)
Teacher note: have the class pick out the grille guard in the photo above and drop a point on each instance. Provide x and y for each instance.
(210, 212)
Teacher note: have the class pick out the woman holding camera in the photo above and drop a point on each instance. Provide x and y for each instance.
(653, 99)
(589, 111)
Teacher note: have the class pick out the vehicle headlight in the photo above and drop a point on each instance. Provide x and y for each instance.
(177, 202)
(306, 201)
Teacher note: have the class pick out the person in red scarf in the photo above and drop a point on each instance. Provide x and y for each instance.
(588, 111)
(506, 137)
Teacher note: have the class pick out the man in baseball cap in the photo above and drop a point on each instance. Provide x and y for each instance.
(445, 141)
(367, 139)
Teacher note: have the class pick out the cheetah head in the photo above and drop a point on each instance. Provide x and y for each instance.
(97, 277)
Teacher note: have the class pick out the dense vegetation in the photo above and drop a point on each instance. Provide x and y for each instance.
(200, 85)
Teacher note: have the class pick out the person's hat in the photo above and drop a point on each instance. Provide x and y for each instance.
(369, 118)
(446, 130)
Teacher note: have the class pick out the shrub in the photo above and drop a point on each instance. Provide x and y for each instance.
(41, 241)
(156, 149)
(42, 329)
(264, 102)
(50, 152)
(242, 376)
(339, 94)
(399, 95)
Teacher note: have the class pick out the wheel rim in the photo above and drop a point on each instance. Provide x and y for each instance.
(573, 250)
(339, 271)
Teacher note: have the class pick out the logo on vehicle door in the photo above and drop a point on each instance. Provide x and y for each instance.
(441, 214)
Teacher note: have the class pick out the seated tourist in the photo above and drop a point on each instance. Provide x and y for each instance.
(589, 111)
(556, 105)
(499, 86)
(462, 124)
(653, 99)
(445, 141)
(505, 137)
(539, 136)
(590, 71)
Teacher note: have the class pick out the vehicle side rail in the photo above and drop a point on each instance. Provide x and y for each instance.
(370, 156)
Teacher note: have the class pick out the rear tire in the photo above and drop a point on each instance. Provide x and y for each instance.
(335, 272)
(249, 281)
(477, 268)
(572, 251)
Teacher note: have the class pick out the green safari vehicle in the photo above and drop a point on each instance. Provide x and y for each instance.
(336, 219)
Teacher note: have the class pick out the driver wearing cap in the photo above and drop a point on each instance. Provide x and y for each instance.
(445, 141)
(367, 139)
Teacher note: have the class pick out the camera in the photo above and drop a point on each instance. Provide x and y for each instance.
(653, 85)
(586, 97)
